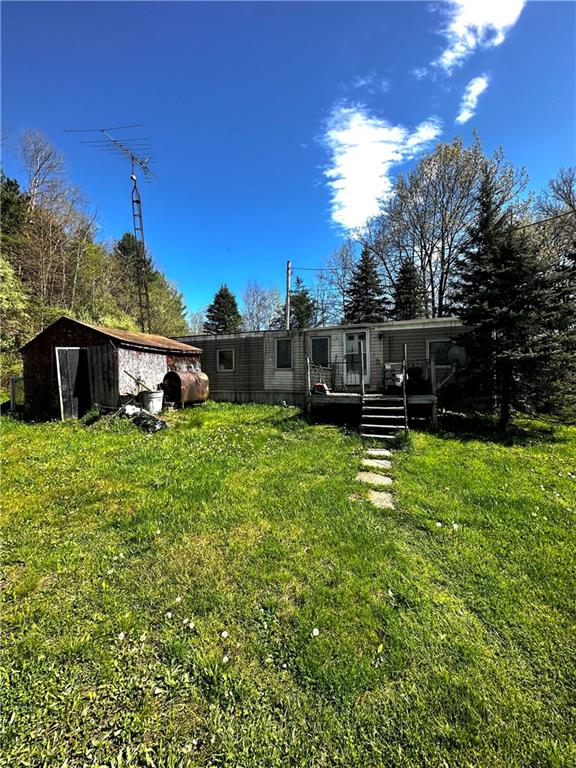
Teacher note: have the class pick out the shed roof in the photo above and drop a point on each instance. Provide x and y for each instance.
(151, 340)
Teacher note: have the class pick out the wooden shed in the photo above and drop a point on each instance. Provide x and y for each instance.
(71, 366)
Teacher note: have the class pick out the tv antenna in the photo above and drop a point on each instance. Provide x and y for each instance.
(137, 151)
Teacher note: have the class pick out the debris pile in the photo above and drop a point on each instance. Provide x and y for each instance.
(142, 418)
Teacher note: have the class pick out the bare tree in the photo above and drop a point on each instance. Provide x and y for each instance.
(196, 321)
(44, 167)
(261, 307)
(335, 281)
(428, 217)
(557, 236)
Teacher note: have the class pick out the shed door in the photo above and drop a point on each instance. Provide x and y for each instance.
(73, 381)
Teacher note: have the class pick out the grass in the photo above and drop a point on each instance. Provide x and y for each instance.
(161, 594)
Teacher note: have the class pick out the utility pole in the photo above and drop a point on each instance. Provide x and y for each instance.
(288, 276)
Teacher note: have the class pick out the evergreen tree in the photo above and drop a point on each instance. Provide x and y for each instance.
(408, 298)
(302, 307)
(519, 309)
(222, 316)
(139, 272)
(365, 302)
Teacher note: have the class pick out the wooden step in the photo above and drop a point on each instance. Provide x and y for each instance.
(384, 416)
(377, 437)
(369, 425)
(382, 407)
(394, 398)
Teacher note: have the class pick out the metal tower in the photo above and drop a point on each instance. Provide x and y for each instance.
(133, 151)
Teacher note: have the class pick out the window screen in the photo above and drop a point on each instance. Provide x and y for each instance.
(225, 360)
(320, 350)
(284, 353)
(439, 352)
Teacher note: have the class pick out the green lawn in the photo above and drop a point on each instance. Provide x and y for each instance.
(162, 595)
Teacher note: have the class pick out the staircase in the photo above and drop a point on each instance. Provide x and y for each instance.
(383, 416)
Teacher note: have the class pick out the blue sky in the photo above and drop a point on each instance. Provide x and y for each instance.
(277, 126)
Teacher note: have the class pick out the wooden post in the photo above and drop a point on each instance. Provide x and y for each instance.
(405, 399)
(361, 345)
(433, 375)
(308, 379)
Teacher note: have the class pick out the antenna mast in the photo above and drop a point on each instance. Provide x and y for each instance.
(132, 151)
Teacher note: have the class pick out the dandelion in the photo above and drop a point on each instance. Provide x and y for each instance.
(315, 632)
(121, 555)
(224, 635)
(438, 524)
(168, 614)
(195, 742)
(157, 691)
(284, 666)
(121, 636)
(225, 659)
(455, 526)
(143, 637)
(157, 531)
(110, 571)
(178, 599)
(268, 659)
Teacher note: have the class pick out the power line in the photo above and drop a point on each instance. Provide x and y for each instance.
(543, 221)
(520, 226)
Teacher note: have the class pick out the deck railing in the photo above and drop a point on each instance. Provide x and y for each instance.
(419, 376)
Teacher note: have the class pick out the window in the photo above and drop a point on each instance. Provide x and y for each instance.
(283, 353)
(438, 351)
(320, 351)
(225, 360)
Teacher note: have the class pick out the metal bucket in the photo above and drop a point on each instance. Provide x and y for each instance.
(152, 401)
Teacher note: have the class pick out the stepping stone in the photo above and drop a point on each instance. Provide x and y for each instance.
(376, 463)
(373, 478)
(381, 499)
(379, 453)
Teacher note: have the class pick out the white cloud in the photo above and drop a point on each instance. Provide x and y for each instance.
(420, 73)
(476, 24)
(364, 150)
(371, 83)
(473, 91)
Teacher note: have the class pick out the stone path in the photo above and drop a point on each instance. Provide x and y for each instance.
(374, 478)
(377, 459)
(377, 463)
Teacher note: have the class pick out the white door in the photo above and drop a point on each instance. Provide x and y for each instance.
(352, 366)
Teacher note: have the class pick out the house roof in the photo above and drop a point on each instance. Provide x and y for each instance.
(131, 337)
(427, 323)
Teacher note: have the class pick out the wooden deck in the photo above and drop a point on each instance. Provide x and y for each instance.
(337, 399)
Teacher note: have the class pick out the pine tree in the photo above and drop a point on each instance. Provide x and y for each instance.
(139, 272)
(302, 306)
(222, 316)
(517, 305)
(408, 298)
(365, 302)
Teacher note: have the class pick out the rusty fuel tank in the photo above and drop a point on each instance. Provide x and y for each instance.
(184, 387)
